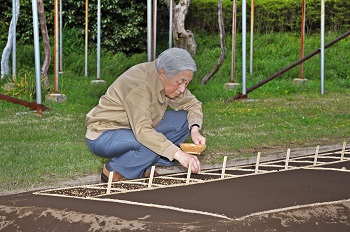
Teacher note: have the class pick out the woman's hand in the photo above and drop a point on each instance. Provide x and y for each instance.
(185, 159)
(196, 136)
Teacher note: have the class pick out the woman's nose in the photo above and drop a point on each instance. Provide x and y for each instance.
(182, 88)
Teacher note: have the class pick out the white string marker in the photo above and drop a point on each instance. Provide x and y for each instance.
(316, 155)
(223, 168)
(343, 151)
(287, 159)
(189, 172)
(110, 178)
(257, 162)
(151, 177)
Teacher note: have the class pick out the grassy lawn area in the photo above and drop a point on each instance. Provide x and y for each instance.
(40, 150)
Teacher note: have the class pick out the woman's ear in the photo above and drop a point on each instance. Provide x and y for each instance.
(161, 73)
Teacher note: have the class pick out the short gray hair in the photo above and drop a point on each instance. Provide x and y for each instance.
(175, 60)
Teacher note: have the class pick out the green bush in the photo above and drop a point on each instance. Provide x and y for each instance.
(270, 15)
(124, 23)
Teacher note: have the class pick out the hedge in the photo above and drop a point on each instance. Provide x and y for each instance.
(270, 15)
(124, 22)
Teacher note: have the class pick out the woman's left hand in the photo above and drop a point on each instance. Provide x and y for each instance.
(196, 136)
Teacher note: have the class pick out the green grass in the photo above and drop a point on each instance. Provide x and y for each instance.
(40, 150)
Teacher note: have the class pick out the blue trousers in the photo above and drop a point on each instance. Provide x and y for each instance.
(129, 157)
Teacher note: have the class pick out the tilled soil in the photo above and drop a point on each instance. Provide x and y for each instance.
(298, 199)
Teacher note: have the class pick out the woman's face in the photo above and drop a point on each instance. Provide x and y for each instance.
(176, 85)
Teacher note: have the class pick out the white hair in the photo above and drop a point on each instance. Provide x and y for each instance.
(175, 60)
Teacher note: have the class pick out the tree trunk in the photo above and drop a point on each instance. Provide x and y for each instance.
(7, 50)
(223, 46)
(182, 38)
(46, 43)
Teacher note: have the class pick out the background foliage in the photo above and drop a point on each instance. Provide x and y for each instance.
(124, 22)
(270, 15)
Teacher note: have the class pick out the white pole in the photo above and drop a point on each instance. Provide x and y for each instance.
(86, 35)
(171, 24)
(322, 44)
(233, 49)
(61, 47)
(98, 37)
(36, 51)
(244, 28)
(14, 39)
(56, 47)
(155, 29)
(251, 36)
(149, 30)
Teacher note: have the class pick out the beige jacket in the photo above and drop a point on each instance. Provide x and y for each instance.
(136, 100)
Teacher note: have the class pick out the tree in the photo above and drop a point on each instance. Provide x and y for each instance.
(222, 42)
(46, 43)
(182, 38)
(7, 50)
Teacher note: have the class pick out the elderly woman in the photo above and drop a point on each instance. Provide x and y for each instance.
(132, 126)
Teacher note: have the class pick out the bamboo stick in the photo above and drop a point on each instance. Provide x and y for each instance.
(223, 167)
(257, 162)
(110, 178)
(287, 159)
(343, 151)
(316, 155)
(189, 172)
(151, 177)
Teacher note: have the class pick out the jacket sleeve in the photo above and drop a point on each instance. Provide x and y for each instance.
(187, 101)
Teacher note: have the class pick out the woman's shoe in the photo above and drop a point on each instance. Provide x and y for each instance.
(116, 175)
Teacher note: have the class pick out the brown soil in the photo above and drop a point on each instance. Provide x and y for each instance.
(302, 198)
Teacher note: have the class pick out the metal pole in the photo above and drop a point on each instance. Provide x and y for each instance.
(171, 24)
(98, 37)
(149, 30)
(14, 40)
(61, 46)
(86, 35)
(301, 68)
(233, 50)
(244, 28)
(322, 44)
(251, 36)
(56, 89)
(36, 51)
(154, 29)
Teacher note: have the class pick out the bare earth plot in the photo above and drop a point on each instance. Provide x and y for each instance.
(306, 193)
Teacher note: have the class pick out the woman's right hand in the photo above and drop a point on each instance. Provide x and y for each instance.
(185, 159)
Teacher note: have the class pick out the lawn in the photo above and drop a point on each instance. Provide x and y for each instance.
(40, 150)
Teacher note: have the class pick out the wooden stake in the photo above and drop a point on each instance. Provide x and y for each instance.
(189, 172)
(343, 151)
(257, 162)
(110, 178)
(316, 155)
(223, 168)
(287, 159)
(151, 177)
